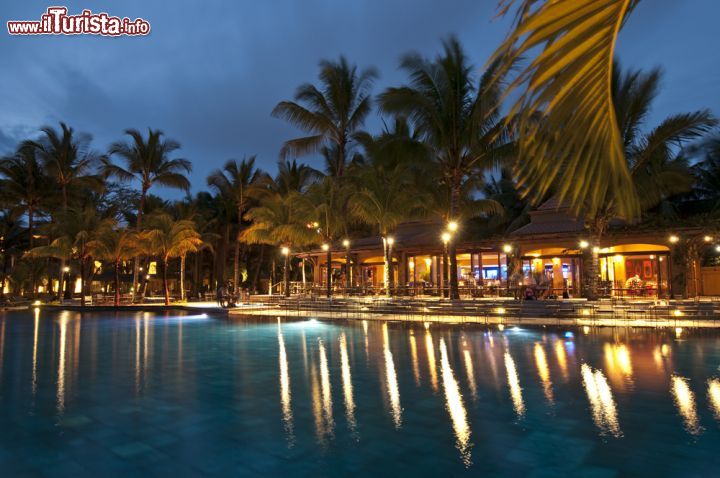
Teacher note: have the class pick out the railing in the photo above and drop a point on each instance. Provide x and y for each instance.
(682, 312)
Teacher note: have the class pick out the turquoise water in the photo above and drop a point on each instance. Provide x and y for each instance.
(189, 395)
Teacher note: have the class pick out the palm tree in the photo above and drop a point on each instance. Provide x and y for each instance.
(278, 220)
(235, 182)
(75, 231)
(68, 161)
(167, 239)
(457, 120)
(23, 184)
(23, 187)
(384, 197)
(707, 173)
(147, 160)
(12, 238)
(322, 207)
(114, 245)
(330, 113)
(70, 165)
(655, 159)
(565, 119)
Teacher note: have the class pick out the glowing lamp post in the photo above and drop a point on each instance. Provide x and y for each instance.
(65, 285)
(389, 241)
(446, 236)
(328, 259)
(286, 270)
(452, 228)
(348, 267)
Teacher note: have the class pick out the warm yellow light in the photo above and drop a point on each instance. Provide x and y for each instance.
(285, 251)
(707, 238)
(652, 256)
(677, 313)
(452, 226)
(674, 239)
(37, 302)
(507, 248)
(428, 261)
(445, 237)
(147, 277)
(678, 331)
(390, 241)
(605, 250)
(618, 258)
(500, 310)
(411, 264)
(586, 312)
(325, 247)
(316, 224)
(586, 330)
(717, 248)
(596, 249)
(501, 327)
(584, 244)
(66, 269)
(556, 260)
(346, 243)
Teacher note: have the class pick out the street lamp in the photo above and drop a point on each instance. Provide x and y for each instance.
(673, 239)
(348, 269)
(452, 226)
(584, 244)
(286, 270)
(446, 236)
(707, 238)
(326, 247)
(507, 248)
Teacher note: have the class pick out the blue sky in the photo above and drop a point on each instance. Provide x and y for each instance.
(211, 71)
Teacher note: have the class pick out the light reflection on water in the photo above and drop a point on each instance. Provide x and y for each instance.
(685, 401)
(392, 382)
(514, 384)
(455, 406)
(329, 385)
(602, 403)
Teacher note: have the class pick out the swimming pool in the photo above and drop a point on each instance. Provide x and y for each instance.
(104, 394)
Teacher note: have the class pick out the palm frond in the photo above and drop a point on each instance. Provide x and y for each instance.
(565, 119)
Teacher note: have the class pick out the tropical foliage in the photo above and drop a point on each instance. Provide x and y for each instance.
(81, 222)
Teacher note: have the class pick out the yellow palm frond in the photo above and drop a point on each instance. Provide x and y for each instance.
(568, 137)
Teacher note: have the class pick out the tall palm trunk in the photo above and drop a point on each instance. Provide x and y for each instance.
(182, 277)
(258, 265)
(166, 291)
(138, 227)
(328, 259)
(236, 263)
(452, 252)
(82, 282)
(387, 268)
(64, 289)
(117, 283)
(196, 274)
(286, 276)
(31, 231)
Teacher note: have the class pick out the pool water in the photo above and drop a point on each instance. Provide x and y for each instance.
(107, 394)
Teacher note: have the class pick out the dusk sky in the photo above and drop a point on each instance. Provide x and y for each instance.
(210, 72)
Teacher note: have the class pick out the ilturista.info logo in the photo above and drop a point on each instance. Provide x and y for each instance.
(56, 21)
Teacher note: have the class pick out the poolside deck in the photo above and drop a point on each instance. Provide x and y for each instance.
(580, 312)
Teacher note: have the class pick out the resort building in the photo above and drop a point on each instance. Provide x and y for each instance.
(551, 255)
